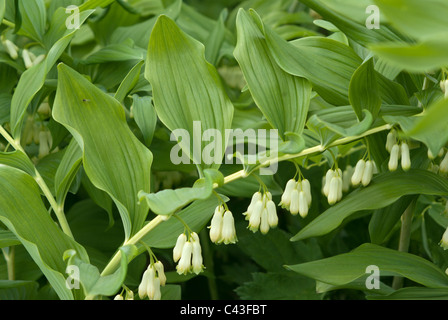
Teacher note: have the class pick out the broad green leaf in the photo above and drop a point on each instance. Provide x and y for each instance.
(187, 91)
(284, 99)
(384, 190)
(278, 286)
(5, 106)
(385, 219)
(19, 160)
(418, 19)
(92, 4)
(129, 82)
(167, 201)
(429, 127)
(33, 19)
(140, 32)
(424, 56)
(116, 52)
(171, 292)
(113, 158)
(363, 90)
(414, 293)
(348, 267)
(333, 123)
(145, 116)
(352, 27)
(216, 39)
(8, 239)
(89, 276)
(313, 57)
(196, 216)
(18, 290)
(33, 79)
(23, 212)
(67, 171)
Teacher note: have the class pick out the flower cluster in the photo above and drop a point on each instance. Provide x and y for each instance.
(297, 197)
(332, 186)
(222, 227)
(262, 213)
(152, 279)
(397, 150)
(188, 253)
(363, 172)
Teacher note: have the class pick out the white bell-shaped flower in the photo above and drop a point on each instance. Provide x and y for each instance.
(228, 233)
(358, 173)
(178, 248)
(394, 157)
(405, 157)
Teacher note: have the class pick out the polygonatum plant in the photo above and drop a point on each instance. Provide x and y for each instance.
(257, 149)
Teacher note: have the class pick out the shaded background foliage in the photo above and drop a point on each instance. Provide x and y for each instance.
(360, 80)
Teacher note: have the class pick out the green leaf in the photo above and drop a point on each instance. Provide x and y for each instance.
(384, 190)
(89, 276)
(23, 212)
(363, 90)
(354, 28)
(425, 56)
(429, 127)
(414, 293)
(348, 267)
(19, 160)
(196, 216)
(283, 99)
(167, 201)
(187, 91)
(385, 219)
(216, 39)
(418, 19)
(33, 80)
(113, 158)
(145, 116)
(2, 9)
(33, 19)
(18, 290)
(8, 239)
(129, 82)
(277, 286)
(67, 170)
(313, 57)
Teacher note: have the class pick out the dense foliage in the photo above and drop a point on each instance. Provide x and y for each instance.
(116, 179)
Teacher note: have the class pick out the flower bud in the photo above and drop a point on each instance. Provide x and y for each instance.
(334, 191)
(255, 198)
(160, 272)
(11, 49)
(184, 265)
(286, 196)
(177, 251)
(216, 224)
(444, 164)
(294, 207)
(142, 288)
(118, 297)
(303, 204)
(368, 173)
(228, 229)
(330, 174)
(394, 156)
(264, 224)
(27, 59)
(405, 157)
(255, 217)
(150, 284)
(391, 140)
(444, 241)
(272, 214)
(197, 266)
(358, 173)
(306, 187)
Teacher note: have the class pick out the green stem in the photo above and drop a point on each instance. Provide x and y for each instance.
(10, 266)
(114, 262)
(8, 23)
(405, 238)
(58, 210)
(208, 260)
